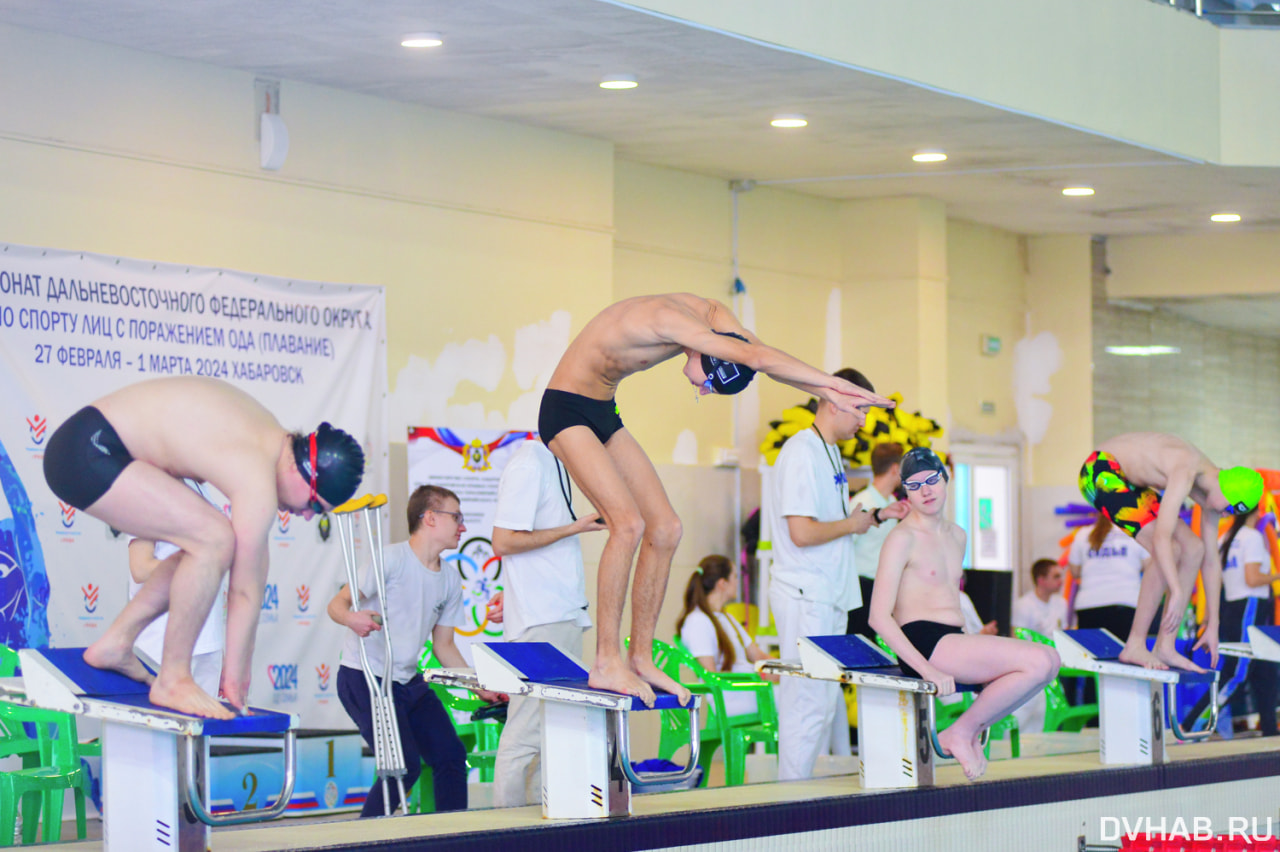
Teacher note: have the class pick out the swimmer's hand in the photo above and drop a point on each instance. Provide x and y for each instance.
(364, 622)
(493, 610)
(945, 683)
(234, 694)
(491, 697)
(1209, 641)
(847, 396)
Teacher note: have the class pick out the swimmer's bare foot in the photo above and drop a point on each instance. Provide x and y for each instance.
(658, 678)
(962, 749)
(185, 696)
(616, 676)
(1168, 654)
(117, 657)
(980, 751)
(1140, 656)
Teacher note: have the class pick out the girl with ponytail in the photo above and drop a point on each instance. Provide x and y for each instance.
(720, 643)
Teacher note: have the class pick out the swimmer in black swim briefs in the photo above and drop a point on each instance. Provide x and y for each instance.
(562, 409)
(83, 458)
(924, 636)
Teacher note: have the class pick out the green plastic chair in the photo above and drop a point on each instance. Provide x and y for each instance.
(41, 788)
(479, 738)
(1059, 714)
(735, 734)
(946, 713)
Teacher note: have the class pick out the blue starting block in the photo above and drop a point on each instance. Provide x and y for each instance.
(1263, 644)
(1133, 702)
(152, 796)
(896, 711)
(586, 746)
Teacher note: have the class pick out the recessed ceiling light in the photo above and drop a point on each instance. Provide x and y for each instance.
(1078, 191)
(1225, 217)
(1143, 351)
(619, 81)
(929, 156)
(421, 40)
(790, 120)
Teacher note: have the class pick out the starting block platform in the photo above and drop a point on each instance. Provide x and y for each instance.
(152, 789)
(1133, 702)
(900, 709)
(1263, 644)
(586, 749)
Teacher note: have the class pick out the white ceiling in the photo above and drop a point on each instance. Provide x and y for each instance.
(703, 104)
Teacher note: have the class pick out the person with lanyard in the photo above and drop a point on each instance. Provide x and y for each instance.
(1246, 599)
(813, 585)
(544, 598)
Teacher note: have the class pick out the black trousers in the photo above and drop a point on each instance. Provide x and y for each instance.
(426, 733)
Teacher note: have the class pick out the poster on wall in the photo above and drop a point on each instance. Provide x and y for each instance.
(76, 326)
(468, 463)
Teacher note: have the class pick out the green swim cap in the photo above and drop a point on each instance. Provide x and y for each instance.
(1242, 486)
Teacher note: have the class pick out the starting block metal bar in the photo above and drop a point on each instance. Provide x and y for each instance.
(1134, 702)
(586, 746)
(151, 793)
(900, 709)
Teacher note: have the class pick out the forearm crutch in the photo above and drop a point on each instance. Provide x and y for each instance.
(388, 756)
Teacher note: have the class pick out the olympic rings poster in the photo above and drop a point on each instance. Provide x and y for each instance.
(468, 463)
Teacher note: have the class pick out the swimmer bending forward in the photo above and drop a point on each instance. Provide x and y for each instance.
(579, 422)
(123, 460)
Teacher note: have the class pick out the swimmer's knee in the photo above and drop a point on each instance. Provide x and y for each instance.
(665, 534)
(627, 529)
(216, 543)
(1047, 663)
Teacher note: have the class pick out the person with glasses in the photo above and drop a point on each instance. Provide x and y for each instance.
(915, 607)
(1139, 481)
(813, 584)
(122, 460)
(424, 602)
(580, 423)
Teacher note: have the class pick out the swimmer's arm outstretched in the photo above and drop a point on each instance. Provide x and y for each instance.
(684, 329)
(446, 651)
(884, 597)
(251, 521)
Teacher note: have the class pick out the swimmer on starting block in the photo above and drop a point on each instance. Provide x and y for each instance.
(122, 460)
(1139, 481)
(580, 423)
(915, 607)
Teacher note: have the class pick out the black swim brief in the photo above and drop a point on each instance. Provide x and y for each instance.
(924, 636)
(562, 409)
(83, 458)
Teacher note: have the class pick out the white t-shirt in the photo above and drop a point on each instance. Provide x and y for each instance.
(1248, 546)
(805, 484)
(150, 641)
(543, 586)
(420, 599)
(866, 547)
(699, 636)
(973, 623)
(1110, 575)
(1043, 617)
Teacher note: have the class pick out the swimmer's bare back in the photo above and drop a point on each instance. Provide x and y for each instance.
(200, 428)
(625, 338)
(1149, 459)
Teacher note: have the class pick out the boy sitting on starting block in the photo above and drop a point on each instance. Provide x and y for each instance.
(915, 606)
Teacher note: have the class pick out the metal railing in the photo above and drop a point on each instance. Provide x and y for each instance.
(1241, 13)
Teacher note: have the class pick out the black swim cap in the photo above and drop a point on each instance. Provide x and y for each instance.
(339, 463)
(921, 459)
(726, 377)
